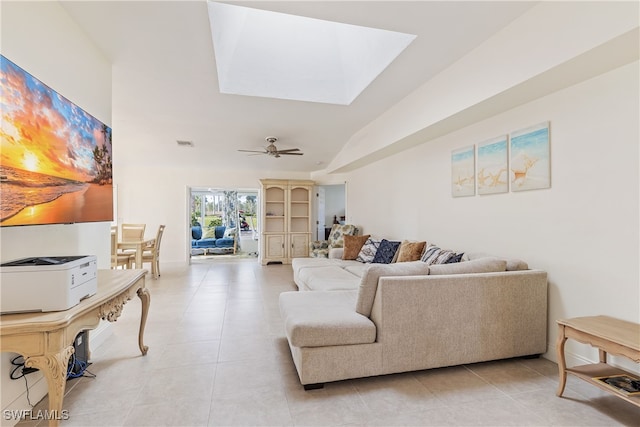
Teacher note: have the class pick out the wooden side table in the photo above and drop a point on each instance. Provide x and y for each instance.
(609, 335)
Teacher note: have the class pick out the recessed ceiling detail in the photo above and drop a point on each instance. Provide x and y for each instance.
(276, 55)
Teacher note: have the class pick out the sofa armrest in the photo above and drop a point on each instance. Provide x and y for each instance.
(429, 321)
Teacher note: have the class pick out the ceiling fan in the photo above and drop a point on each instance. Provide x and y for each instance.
(273, 151)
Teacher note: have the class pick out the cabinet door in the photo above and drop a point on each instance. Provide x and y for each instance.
(274, 248)
(299, 245)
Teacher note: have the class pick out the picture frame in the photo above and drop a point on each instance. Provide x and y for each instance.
(463, 181)
(493, 166)
(530, 162)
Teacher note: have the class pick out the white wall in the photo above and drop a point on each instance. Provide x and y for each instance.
(40, 37)
(157, 196)
(583, 231)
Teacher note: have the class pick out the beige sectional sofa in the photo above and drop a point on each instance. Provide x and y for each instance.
(350, 319)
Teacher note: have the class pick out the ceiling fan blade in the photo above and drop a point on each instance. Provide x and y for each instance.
(289, 150)
(253, 151)
(290, 154)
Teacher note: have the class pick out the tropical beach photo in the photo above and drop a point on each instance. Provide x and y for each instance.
(55, 158)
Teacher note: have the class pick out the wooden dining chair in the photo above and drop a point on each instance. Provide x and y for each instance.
(118, 259)
(151, 254)
(132, 232)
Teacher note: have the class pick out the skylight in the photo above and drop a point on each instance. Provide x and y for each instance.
(275, 55)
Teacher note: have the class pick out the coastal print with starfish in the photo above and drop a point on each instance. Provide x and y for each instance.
(463, 172)
(530, 158)
(493, 171)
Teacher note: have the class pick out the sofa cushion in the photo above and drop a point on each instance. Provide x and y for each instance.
(320, 319)
(410, 251)
(368, 250)
(356, 268)
(386, 252)
(369, 282)
(513, 264)
(352, 246)
(328, 278)
(480, 265)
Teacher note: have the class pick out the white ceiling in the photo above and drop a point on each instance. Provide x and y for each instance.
(165, 82)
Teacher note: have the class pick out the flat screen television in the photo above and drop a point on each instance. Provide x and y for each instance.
(55, 158)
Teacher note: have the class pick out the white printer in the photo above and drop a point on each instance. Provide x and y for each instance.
(47, 283)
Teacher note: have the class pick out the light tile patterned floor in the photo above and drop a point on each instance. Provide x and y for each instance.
(218, 356)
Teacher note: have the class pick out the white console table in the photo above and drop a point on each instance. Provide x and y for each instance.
(46, 339)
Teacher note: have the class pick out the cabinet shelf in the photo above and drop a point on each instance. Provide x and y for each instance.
(287, 232)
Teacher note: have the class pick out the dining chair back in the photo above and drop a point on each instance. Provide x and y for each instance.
(118, 259)
(132, 232)
(151, 254)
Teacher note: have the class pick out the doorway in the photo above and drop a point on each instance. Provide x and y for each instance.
(223, 223)
(330, 208)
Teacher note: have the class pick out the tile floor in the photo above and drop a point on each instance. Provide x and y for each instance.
(218, 356)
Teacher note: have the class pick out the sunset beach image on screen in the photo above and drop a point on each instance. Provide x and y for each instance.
(55, 158)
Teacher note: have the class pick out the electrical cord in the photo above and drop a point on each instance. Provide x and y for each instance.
(23, 374)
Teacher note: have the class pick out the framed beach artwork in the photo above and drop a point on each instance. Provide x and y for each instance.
(530, 163)
(493, 170)
(55, 158)
(463, 172)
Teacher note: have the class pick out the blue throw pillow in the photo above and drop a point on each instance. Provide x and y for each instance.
(386, 251)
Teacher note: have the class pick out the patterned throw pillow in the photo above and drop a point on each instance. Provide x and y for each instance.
(368, 250)
(410, 251)
(386, 252)
(435, 255)
(352, 246)
(454, 259)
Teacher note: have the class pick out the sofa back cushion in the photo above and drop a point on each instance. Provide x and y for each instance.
(480, 265)
(196, 232)
(513, 264)
(369, 282)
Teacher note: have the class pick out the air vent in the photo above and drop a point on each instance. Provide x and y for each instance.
(185, 143)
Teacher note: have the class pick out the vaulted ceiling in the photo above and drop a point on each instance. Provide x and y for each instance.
(165, 78)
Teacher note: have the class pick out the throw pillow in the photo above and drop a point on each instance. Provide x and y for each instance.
(481, 265)
(454, 259)
(209, 233)
(352, 246)
(386, 251)
(410, 251)
(368, 250)
(435, 255)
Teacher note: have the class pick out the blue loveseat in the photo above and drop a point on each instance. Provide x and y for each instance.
(212, 240)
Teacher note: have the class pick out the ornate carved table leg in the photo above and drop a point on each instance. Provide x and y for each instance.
(562, 367)
(145, 298)
(54, 368)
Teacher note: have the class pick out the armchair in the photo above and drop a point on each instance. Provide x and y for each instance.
(320, 248)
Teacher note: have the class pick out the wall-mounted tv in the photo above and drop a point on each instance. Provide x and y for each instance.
(55, 158)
